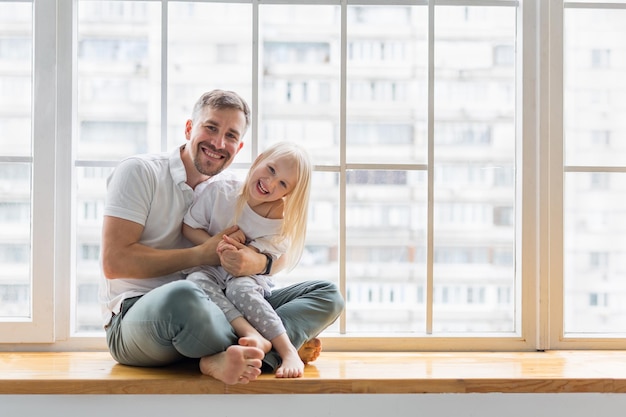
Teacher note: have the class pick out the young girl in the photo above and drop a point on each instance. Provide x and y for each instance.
(270, 207)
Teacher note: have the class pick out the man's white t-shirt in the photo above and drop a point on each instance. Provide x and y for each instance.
(149, 190)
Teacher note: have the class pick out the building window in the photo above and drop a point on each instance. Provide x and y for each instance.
(600, 58)
(598, 300)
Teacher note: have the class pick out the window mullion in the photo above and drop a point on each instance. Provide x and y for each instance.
(41, 328)
(430, 170)
(164, 72)
(342, 160)
(65, 209)
(554, 198)
(532, 103)
(256, 42)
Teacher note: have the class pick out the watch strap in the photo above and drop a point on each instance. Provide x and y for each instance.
(268, 265)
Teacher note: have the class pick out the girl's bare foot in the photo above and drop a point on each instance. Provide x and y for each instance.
(249, 336)
(291, 367)
(256, 340)
(310, 350)
(239, 364)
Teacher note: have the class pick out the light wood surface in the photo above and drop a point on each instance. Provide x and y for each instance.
(333, 372)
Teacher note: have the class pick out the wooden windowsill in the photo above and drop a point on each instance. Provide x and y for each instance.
(333, 372)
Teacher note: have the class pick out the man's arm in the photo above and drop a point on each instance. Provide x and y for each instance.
(124, 257)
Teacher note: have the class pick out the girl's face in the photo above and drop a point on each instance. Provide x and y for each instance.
(272, 179)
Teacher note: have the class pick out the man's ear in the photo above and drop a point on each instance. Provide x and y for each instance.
(240, 146)
(188, 127)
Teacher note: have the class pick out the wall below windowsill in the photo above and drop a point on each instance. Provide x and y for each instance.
(332, 373)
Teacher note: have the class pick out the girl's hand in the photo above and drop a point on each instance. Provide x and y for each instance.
(223, 245)
(238, 236)
(239, 260)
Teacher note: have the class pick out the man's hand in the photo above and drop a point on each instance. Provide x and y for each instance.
(238, 259)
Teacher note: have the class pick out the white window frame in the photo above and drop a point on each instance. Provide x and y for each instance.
(539, 183)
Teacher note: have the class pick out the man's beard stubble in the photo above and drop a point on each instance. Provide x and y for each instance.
(203, 169)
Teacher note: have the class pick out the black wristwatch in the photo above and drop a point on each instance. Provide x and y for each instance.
(268, 265)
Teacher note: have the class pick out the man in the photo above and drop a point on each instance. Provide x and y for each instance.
(152, 315)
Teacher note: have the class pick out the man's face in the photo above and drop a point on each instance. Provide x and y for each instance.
(215, 139)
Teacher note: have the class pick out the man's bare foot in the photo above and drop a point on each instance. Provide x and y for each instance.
(291, 366)
(239, 364)
(256, 340)
(310, 350)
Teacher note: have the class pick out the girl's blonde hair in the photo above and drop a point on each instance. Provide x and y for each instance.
(296, 203)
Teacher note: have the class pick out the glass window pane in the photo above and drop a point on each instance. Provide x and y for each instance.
(320, 258)
(16, 50)
(595, 253)
(15, 243)
(474, 208)
(595, 87)
(387, 86)
(594, 208)
(119, 78)
(386, 251)
(90, 194)
(299, 78)
(594, 1)
(209, 46)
